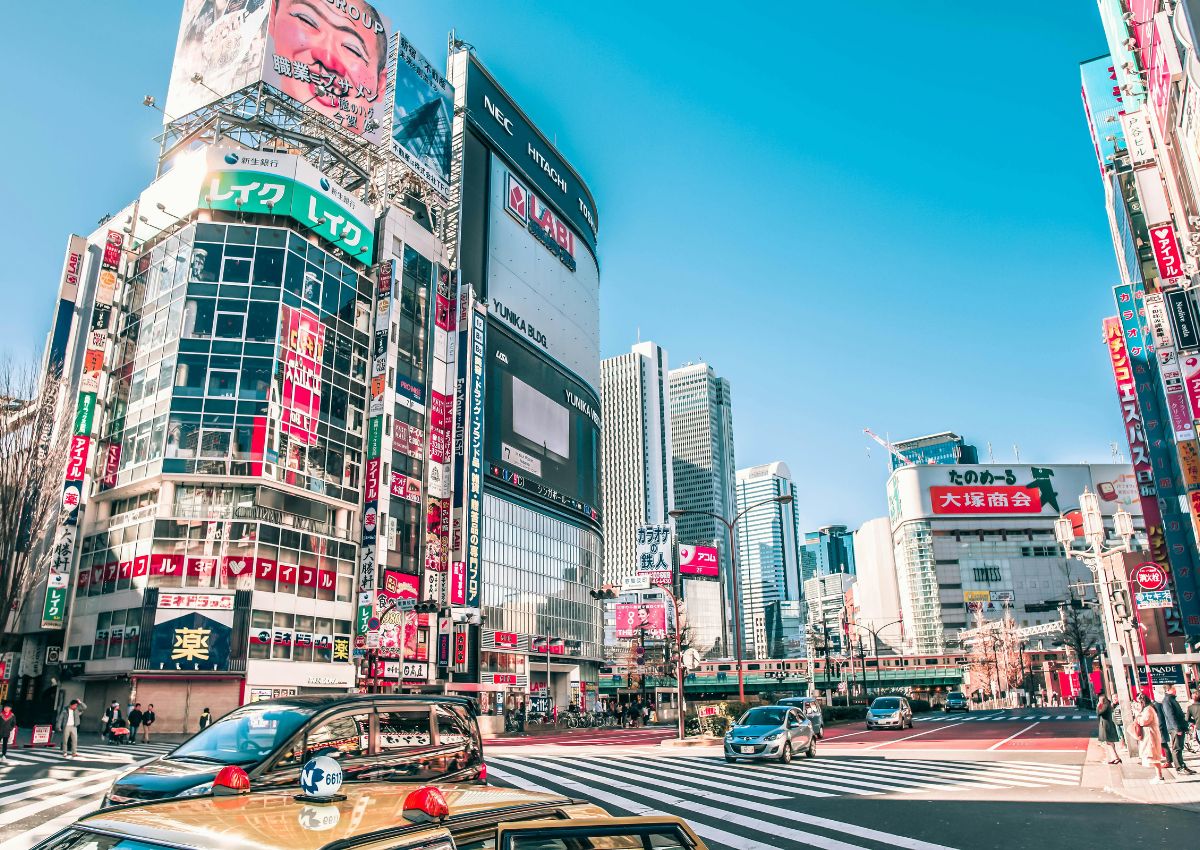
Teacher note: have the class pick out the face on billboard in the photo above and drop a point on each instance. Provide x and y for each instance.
(331, 56)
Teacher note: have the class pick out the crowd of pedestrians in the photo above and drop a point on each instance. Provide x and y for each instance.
(1160, 728)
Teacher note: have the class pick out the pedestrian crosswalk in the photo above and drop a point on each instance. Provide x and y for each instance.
(87, 754)
(997, 716)
(592, 738)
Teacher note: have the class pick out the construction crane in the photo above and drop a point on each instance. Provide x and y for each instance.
(903, 460)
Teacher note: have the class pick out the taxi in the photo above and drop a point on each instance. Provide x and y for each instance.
(370, 816)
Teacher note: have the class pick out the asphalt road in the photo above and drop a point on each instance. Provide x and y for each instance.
(982, 780)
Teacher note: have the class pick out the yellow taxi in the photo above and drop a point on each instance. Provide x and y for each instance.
(370, 816)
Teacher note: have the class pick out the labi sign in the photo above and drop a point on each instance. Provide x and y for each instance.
(249, 181)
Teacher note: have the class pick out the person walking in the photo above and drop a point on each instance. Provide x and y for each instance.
(67, 724)
(114, 721)
(205, 719)
(1149, 736)
(1107, 731)
(1176, 722)
(135, 721)
(646, 714)
(148, 719)
(1193, 714)
(8, 726)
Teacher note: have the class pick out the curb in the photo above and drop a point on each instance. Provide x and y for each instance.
(691, 742)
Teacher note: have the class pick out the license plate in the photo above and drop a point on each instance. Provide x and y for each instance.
(747, 749)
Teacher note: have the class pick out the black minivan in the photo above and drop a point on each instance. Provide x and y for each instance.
(375, 737)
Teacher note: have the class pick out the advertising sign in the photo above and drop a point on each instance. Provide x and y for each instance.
(1182, 310)
(533, 214)
(330, 56)
(303, 347)
(654, 549)
(1167, 256)
(1150, 576)
(1101, 100)
(543, 433)
(1177, 394)
(191, 640)
(1166, 674)
(649, 618)
(249, 181)
(1155, 305)
(1137, 137)
(698, 561)
(1154, 599)
(986, 500)
(474, 439)
(422, 108)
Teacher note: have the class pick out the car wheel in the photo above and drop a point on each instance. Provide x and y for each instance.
(811, 752)
(820, 734)
(785, 757)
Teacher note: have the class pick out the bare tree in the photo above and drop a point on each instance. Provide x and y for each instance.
(994, 658)
(1080, 634)
(34, 438)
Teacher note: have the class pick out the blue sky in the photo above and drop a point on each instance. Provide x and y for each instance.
(864, 215)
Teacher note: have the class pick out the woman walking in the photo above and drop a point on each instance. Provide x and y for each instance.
(1107, 731)
(1149, 738)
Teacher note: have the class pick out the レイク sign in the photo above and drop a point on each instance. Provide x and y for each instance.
(988, 499)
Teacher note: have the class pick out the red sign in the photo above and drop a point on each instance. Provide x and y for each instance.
(990, 499)
(1166, 252)
(458, 583)
(112, 249)
(112, 462)
(441, 414)
(398, 585)
(504, 679)
(372, 479)
(408, 440)
(77, 458)
(1150, 576)
(303, 350)
(504, 640)
(650, 618)
(404, 487)
(698, 561)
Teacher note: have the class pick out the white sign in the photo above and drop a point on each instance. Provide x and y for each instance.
(654, 550)
(410, 670)
(635, 583)
(321, 777)
(1137, 137)
(1154, 599)
(197, 601)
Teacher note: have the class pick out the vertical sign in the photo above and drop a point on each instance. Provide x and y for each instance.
(1167, 256)
(1177, 393)
(1137, 137)
(1182, 312)
(303, 350)
(474, 448)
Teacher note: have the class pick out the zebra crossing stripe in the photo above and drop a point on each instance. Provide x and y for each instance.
(868, 772)
(690, 808)
(639, 770)
(860, 784)
(726, 777)
(993, 772)
(31, 837)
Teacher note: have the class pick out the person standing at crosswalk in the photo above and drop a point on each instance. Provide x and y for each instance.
(135, 720)
(8, 725)
(69, 717)
(148, 719)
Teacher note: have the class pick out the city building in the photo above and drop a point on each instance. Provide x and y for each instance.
(1139, 100)
(703, 471)
(829, 549)
(635, 452)
(768, 560)
(877, 593)
(526, 506)
(946, 447)
(978, 541)
(785, 628)
(826, 627)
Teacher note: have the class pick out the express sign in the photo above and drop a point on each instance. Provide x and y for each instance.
(1150, 576)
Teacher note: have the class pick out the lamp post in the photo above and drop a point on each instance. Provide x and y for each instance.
(730, 524)
(875, 650)
(1092, 556)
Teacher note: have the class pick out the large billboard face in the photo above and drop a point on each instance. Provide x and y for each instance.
(649, 618)
(698, 561)
(331, 55)
(542, 281)
(543, 427)
(422, 108)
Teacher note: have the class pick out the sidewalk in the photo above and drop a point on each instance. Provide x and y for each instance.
(1132, 781)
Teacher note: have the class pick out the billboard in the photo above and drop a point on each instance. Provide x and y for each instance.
(654, 549)
(330, 56)
(543, 427)
(1102, 102)
(422, 109)
(649, 618)
(246, 181)
(302, 345)
(698, 561)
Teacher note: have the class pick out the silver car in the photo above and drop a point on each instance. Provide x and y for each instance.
(889, 711)
(809, 707)
(770, 732)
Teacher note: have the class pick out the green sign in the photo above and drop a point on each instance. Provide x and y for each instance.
(55, 608)
(364, 615)
(85, 411)
(374, 437)
(268, 193)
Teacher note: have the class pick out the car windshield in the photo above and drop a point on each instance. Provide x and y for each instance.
(956, 695)
(244, 736)
(762, 717)
(74, 839)
(886, 702)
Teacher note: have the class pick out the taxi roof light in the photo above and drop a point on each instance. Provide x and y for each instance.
(231, 779)
(426, 804)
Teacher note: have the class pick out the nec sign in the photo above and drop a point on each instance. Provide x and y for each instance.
(540, 165)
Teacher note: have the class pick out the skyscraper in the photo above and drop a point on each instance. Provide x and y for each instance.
(635, 451)
(828, 550)
(768, 561)
(703, 469)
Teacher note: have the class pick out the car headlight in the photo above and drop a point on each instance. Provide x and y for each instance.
(729, 735)
(774, 736)
(196, 790)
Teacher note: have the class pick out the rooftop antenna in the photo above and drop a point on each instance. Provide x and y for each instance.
(1017, 452)
(639, 332)
(1117, 456)
(991, 457)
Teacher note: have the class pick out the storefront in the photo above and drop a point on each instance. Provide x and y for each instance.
(275, 679)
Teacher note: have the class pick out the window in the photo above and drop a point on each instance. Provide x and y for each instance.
(222, 383)
(986, 574)
(237, 270)
(343, 736)
(402, 730)
(230, 325)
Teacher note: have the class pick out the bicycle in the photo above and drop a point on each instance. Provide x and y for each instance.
(1191, 741)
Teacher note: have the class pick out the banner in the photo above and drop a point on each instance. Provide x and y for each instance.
(422, 108)
(303, 348)
(649, 618)
(699, 561)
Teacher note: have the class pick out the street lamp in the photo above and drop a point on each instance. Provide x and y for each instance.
(1092, 556)
(875, 650)
(730, 524)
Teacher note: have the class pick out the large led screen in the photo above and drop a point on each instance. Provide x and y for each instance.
(542, 427)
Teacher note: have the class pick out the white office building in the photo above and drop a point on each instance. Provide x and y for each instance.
(877, 593)
(768, 560)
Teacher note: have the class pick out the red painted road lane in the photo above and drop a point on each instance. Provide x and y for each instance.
(591, 738)
(956, 734)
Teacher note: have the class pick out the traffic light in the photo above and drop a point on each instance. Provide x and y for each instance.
(460, 649)
(605, 592)
(639, 653)
(426, 607)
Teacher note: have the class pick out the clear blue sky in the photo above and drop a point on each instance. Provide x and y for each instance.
(863, 214)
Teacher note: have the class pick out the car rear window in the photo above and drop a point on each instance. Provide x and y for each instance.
(886, 702)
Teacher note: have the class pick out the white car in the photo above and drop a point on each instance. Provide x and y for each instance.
(894, 712)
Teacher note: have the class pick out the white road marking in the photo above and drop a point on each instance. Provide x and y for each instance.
(1000, 744)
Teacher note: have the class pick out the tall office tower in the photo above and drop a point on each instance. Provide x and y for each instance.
(768, 560)
(635, 452)
(703, 468)
(828, 550)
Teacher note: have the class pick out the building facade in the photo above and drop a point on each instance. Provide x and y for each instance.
(978, 541)
(877, 593)
(946, 447)
(635, 452)
(768, 560)
(703, 470)
(828, 550)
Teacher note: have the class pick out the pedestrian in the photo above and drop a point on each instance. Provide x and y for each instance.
(205, 719)
(521, 708)
(1119, 721)
(67, 724)
(135, 720)
(115, 729)
(646, 714)
(1176, 722)
(8, 728)
(1193, 712)
(1149, 737)
(1107, 731)
(148, 719)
